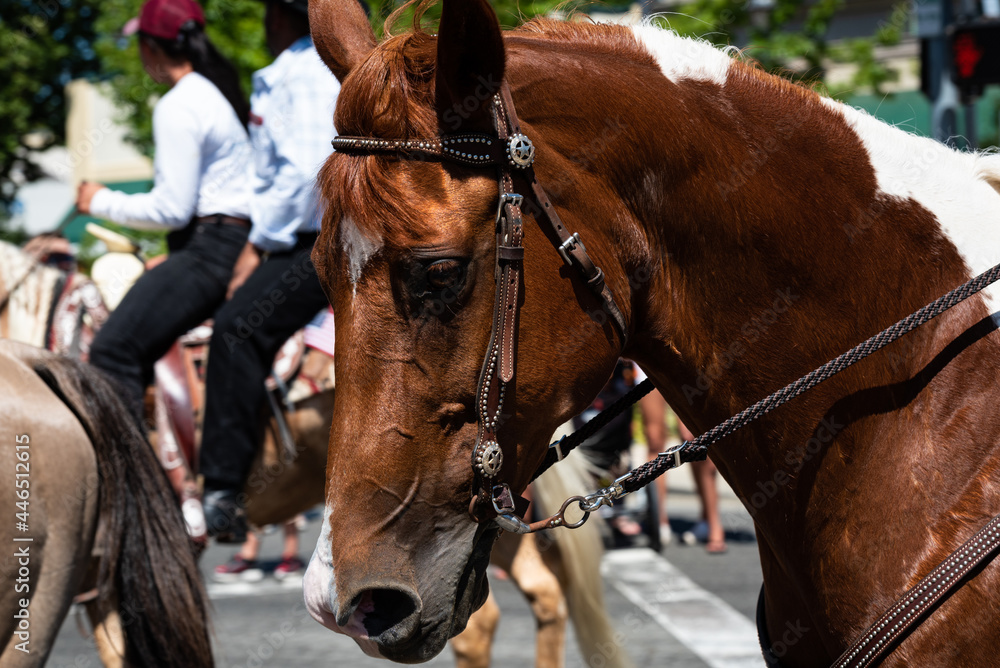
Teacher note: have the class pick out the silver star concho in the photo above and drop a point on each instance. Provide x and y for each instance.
(521, 151)
(489, 458)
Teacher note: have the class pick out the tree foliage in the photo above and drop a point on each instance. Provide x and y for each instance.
(510, 12)
(791, 37)
(43, 45)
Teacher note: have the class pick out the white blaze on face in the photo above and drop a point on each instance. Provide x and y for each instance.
(318, 584)
(952, 185)
(319, 590)
(358, 248)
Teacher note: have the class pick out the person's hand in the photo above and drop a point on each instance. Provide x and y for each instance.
(85, 193)
(156, 261)
(246, 264)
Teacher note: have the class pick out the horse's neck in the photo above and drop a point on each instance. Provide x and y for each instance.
(789, 231)
(781, 228)
(761, 231)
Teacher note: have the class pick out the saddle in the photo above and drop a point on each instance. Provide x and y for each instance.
(301, 370)
(47, 307)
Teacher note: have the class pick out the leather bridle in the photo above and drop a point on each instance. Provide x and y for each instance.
(512, 154)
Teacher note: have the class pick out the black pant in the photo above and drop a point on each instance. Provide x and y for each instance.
(167, 301)
(276, 301)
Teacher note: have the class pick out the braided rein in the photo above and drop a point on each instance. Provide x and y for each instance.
(697, 450)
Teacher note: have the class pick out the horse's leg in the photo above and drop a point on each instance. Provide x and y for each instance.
(108, 634)
(574, 557)
(520, 556)
(473, 646)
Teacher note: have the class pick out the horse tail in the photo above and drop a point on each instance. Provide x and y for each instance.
(581, 550)
(147, 566)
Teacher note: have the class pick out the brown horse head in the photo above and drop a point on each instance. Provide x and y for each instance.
(748, 229)
(407, 256)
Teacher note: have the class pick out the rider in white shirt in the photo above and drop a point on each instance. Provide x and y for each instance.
(275, 289)
(200, 194)
(200, 162)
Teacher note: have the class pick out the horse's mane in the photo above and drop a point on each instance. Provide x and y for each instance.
(390, 95)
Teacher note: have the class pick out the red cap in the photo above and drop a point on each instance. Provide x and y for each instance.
(164, 18)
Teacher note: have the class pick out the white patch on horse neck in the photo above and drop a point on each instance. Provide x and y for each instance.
(358, 248)
(684, 57)
(954, 186)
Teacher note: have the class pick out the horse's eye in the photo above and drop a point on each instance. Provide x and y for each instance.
(444, 274)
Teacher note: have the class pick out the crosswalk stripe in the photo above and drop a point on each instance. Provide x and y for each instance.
(707, 625)
(217, 590)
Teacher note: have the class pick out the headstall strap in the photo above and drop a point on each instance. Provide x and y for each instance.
(498, 367)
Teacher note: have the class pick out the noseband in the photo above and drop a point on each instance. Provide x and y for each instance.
(512, 154)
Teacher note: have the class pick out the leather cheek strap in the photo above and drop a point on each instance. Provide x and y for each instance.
(511, 282)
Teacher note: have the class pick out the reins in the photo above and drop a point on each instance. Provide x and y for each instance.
(697, 450)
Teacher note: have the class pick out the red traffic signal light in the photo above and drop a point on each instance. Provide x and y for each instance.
(975, 51)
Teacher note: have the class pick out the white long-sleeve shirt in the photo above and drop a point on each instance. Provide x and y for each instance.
(291, 126)
(200, 163)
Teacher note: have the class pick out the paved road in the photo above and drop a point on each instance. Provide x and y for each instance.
(684, 609)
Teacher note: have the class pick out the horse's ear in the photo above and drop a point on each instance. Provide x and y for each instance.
(341, 33)
(470, 64)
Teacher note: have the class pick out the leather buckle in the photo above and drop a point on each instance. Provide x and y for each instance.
(675, 454)
(507, 198)
(505, 508)
(566, 247)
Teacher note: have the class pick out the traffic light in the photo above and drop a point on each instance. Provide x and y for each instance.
(975, 52)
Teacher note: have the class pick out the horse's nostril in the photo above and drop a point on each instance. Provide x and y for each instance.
(388, 614)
